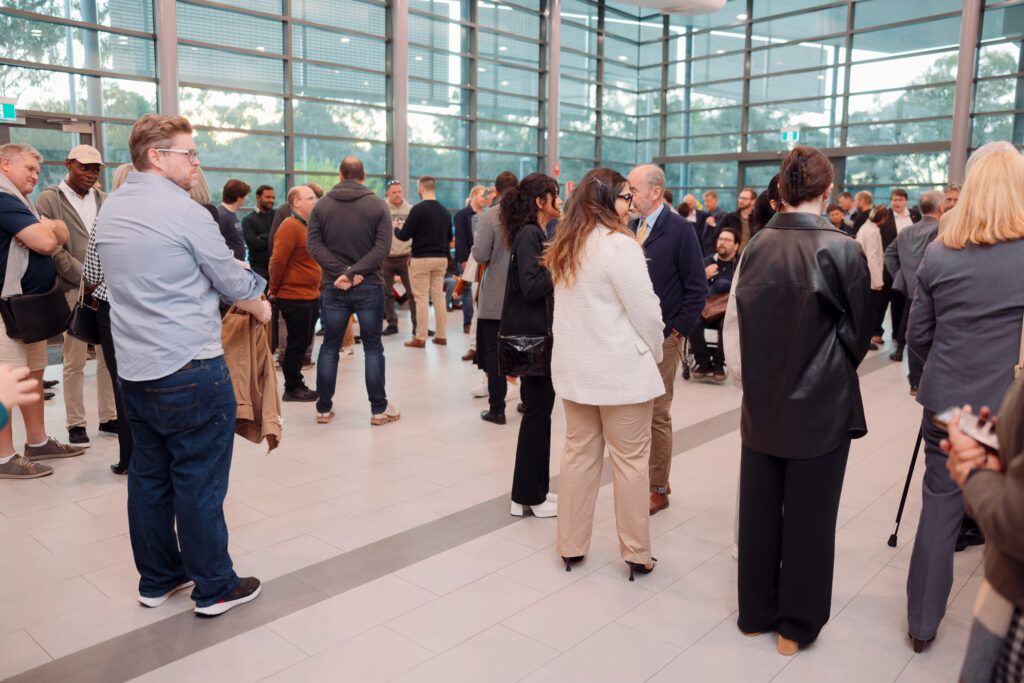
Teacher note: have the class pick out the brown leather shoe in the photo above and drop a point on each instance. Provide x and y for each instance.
(440, 341)
(787, 647)
(469, 355)
(659, 501)
(416, 343)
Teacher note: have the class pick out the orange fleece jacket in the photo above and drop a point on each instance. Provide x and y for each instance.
(293, 272)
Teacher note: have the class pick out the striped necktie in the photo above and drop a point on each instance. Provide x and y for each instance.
(641, 232)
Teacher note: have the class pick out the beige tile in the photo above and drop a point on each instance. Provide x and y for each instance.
(21, 550)
(373, 498)
(849, 651)
(116, 580)
(20, 652)
(614, 654)
(723, 654)
(106, 504)
(96, 623)
(476, 659)
(83, 533)
(43, 520)
(284, 557)
(251, 656)
(303, 495)
(274, 529)
(239, 514)
(459, 615)
(336, 619)
(33, 605)
(66, 564)
(360, 531)
(464, 564)
(376, 655)
(574, 613)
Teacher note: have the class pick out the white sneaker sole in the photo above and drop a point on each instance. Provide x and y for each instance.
(222, 607)
(161, 599)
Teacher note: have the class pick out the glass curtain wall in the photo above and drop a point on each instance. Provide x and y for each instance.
(94, 58)
(475, 92)
(999, 82)
(281, 90)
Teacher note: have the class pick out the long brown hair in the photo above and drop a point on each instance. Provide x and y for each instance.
(592, 204)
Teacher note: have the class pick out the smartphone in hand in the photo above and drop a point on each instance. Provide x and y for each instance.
(982, 431)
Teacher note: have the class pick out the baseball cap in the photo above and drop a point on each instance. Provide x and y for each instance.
(86, 154)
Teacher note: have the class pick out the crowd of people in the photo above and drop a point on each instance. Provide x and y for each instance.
(597, 302)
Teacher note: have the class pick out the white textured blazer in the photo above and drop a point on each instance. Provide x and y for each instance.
(607, 327)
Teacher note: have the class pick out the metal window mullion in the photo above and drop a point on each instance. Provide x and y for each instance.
(289, 114)
(599, 88)
(474, 79)
(745, 113)
(845, 121)
(963, 100)
(663, 95)
(167, 56)
(398, 93)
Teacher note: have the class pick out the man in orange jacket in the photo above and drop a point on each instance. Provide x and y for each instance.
(295, 288)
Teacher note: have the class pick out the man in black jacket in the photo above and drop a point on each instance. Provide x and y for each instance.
(739, 220)
(256, 230)
(718, 268)
(900, 217)
(349, 234)
(862, 204)
(429, 226)
(676, 268)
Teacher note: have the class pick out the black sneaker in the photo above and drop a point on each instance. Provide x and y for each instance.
(50, 383)
(109, 427)
(701, 371)
(304, 394)
(78, 437)
(248, 589)
(390, 329)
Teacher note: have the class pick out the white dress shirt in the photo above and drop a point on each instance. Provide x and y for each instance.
(84, 206)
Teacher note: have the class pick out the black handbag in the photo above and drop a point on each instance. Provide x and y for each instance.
(522, 355)
(31, 318)
(83, 324)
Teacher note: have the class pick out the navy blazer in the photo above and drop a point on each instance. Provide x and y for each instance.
(676, 267)
(965, 322)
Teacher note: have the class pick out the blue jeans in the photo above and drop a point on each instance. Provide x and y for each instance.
(337, 306)
(183, 426)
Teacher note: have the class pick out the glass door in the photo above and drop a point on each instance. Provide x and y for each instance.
(757, 174)
(53, 136)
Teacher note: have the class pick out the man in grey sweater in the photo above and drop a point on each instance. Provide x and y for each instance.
(489, 248)
(349, 234)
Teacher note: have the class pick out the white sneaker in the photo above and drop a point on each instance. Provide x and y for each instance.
(161, 599)
(512, 394)
(551, 497)
(390, 414)
(347, 352)
(480, 390)
(545, 509)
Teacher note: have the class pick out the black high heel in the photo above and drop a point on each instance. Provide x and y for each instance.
(640, 568)
(569, 561)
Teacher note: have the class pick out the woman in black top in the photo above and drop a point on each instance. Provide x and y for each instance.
(527, 311)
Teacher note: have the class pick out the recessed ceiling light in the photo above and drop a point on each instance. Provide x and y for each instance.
(742, 16)
(260, 48)
(346, 40)
(419, 58)
(481, 69)
(719, 52)
(504, 82)
(623, 58)
(502, 48)
(366, 82)
(36, 32)
(821, 77)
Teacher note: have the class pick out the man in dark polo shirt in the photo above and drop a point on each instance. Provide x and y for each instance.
(256, 230)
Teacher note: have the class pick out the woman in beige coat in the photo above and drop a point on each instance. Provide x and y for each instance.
(607, 331)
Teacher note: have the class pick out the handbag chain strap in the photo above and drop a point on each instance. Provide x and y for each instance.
(81, 291)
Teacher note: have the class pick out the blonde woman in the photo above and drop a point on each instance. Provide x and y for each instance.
(607, 331)
(966, 323)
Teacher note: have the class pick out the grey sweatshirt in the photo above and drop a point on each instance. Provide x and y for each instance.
(489, 248)
(349, 233)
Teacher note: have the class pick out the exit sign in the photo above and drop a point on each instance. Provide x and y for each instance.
(7, 112)
(790, 134)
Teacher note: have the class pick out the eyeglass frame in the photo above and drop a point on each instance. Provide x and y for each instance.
(628, 197)
(191, 155)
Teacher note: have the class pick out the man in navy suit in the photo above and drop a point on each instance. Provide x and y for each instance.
(676, 267)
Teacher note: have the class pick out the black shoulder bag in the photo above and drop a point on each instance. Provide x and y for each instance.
(522, 355)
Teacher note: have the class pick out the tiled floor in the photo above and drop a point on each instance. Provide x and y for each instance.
(497, 604)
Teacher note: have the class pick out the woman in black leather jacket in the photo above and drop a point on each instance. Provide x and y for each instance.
(527, 311)
(803, 312)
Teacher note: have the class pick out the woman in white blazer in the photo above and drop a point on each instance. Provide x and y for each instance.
(607, 331)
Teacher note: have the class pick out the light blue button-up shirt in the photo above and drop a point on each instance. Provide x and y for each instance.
(165, 261)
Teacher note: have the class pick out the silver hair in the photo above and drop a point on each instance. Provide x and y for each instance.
(953, 187)
(929, 202)
(15, 150)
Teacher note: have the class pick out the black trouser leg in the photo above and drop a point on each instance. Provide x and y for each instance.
(788, 511)
(699, 346)
(718, 353)
(533, 451)
(124, 432)
(298, 315)
(897, 304)
(901, 334)
(497, 387)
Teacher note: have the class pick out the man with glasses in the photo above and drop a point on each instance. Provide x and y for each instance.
(166, 268)
(739, 220)
(676, 267)
(76, 201)
(396, 266)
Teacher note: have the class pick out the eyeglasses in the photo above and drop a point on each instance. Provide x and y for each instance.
(627, 197)
(190, 154)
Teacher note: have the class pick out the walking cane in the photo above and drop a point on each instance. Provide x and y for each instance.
(906, 488)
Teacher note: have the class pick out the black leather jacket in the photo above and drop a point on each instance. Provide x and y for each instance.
(804, 306)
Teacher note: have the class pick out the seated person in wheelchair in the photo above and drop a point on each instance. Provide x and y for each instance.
(719, 268)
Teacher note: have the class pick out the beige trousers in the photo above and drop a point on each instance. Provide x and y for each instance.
(426, 275)
(75, 352)
(627, 432)
(661, 419)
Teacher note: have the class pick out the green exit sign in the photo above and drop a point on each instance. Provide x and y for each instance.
(790, 134)
(7, 112)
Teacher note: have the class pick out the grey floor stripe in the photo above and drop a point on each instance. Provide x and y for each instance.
(151, 647)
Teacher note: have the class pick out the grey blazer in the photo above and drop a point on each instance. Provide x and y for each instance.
(966, 323)
(904, 254)
(489, 248)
